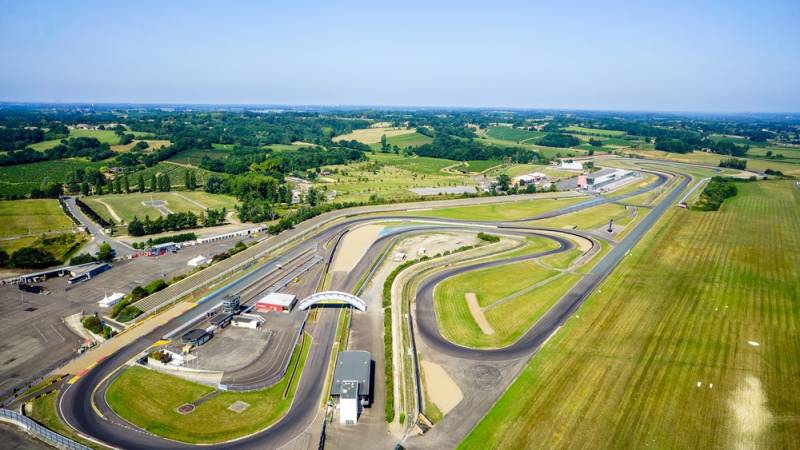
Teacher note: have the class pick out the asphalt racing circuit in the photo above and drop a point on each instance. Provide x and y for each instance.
(82, 404)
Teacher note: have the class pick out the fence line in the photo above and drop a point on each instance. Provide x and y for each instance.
(45, 434)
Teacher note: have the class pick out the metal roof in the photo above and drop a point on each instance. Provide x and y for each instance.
(193, 335)
(354, 366)
(277, 298)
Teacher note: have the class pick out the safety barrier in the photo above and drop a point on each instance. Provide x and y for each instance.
(43, 433)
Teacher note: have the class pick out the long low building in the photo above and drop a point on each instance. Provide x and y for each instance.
(597, 180)
(276, 302)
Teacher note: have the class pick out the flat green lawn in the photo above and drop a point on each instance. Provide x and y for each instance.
(713, 159)
(405, 140)
(126, 206)
(149, 400)
(195, 156)
(19, 217)
(507, 296)
(692, 342)
(594, 131)
(512, 134)
(587, 219)
(502, 211)
(105, 136)
(481, 165)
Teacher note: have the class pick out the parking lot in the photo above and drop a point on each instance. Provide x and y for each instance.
(33, 336)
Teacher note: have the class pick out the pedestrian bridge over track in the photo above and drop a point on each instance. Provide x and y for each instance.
(332, 298)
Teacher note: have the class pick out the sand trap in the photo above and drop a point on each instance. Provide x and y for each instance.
(353, 246)
(477, 313)
(751, 417)
(441, 389)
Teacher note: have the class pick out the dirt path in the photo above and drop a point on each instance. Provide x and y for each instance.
(477, 313)
(198, 204)
(111, 211)
(441, 389)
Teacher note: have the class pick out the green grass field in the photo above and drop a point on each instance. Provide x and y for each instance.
(588, 219)
(148, 399)
(507, 296)
(692, 342)
(512, 134)
(713, 159)
(126, 206)
(405, 140)
(105, 136)
(594, 131)
(194, 156)
(477, 166)
(43, 410)
(417, 164)
(19, 217)
(502, 211)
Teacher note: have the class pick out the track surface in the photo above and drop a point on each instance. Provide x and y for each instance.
(75, 403)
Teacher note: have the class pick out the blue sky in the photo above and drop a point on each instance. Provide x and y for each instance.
(647, 55)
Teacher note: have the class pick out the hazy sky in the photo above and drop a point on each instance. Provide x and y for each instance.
(644, 55)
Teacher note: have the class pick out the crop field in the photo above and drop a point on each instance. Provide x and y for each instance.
(692, 342)
(126, 206)
(149, 400)
(477, 166)
(176, 171)
(789, 153)
(194, 156)
(512, 134)
(504, 211)
(373, 135)
(593, 131)
(152, 145)
(404, 140)
(105, 136)
(511, 296)
(20, 179)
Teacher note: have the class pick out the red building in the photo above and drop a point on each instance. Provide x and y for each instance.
(276, 302)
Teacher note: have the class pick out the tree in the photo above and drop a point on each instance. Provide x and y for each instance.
(118, 185)
(135, 227)
(85, 188)
(105, 252)
(3, 258)
(187, 180)
(193, 180)
(384, 144)
(215, 184)
(32, 258)
(140, 182)
(313, 197)
(126, 184)
(503, 182)
(153, 183)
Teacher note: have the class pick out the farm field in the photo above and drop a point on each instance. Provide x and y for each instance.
(20, 179)
(512, 134)
(790, 153)
(504, 211)
(590, 218)
(176, 172)
(373, 135)
(104, 136)
(417, 164)
(593, 131)
(126, 206)
(152, 145)
(194, 156)
(149, 400)
(512, 297)
(404, 140)
(689, 341)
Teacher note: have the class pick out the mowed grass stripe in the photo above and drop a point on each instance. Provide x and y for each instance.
(624, 373)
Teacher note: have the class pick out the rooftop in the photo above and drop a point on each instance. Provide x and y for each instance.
(354, 367)
(277, 298)
(193, 335)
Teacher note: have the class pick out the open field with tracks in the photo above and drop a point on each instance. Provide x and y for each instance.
(126, 206)
(20, 217)
(713, 159)
(690, 343)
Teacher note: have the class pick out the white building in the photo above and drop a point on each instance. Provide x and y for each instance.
(111, 300)
(569, 164)
(530, 178)
(197, 261)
